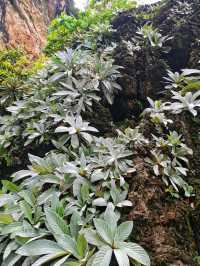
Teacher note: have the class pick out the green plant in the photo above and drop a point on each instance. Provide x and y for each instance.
(151, 37)
(110, 239)
(65, 29)
(157, 111)
(189, 102)
(186, 81)
(13, 73)
(77, 130)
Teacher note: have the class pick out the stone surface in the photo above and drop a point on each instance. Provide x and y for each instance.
(24, 22)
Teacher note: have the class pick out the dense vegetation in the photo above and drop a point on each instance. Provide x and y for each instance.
(86, 26)
(67, 199)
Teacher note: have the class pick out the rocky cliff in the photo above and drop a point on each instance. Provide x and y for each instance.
(24, 22)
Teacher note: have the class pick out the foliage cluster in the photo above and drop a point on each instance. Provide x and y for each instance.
(66, 29)
(72, 81)
(64, 208)
(55, 210)
(15, 68)
(13, 72)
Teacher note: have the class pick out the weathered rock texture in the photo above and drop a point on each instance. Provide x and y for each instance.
(24, 23)
(143, 72)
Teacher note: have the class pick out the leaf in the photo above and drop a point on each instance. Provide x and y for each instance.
(47, 258)
(9, 248)
(39, 247)
(124, 230)
(103, 257)
(4, 199)
(93, 238)
(187, 72)
(61, 129)
(82, 245)
(22, 174)
(72, 263)
(136, 252)
(10, 186)
(110, 216)
(68, 244)
(56, 76)
(56, 223)
(99, 202)
(85, 191)
(6, 218)
(104, 230)
(121, 257)
(74, 141)
(125, 203)
(74, 224)
(61, 261)
(26, 209)
(97, 175)
(11, 260)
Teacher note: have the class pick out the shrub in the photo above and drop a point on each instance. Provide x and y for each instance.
(66, 29)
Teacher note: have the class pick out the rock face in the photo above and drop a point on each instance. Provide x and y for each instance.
(24, 22)
(143, 72)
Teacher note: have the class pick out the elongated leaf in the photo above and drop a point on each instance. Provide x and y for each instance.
(10, 186)
(39, 247)
(99, 202)
(5, 218)
(121, 257)
(47, 258)
(103, 257)
(60, 262)
(11, 260)
(22, 174)
(56, 223)
(93, 238)
(104, 230)
(68, 244)
(136, 252)
(124, 230)
(82, 246)
(9, 248)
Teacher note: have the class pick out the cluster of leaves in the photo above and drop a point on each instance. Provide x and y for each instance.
(95, 20)
(13, 72)
(72, 81)
(169, 155)
(149, 39)
(65, 207)
(15, 68)
(186, 81)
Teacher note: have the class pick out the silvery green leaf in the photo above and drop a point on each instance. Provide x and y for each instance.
(110, 216)
(135, 252)
(61, 129)
(39, 247)
(125, 203)
(22, 174)
(104, 230)
(99, 202)
(93, 238)
(97, 175)
(121, 257)
(11, 260)
(103, 257)
(57, 225)
(123, 231)
(9, 248)
(48, 258)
